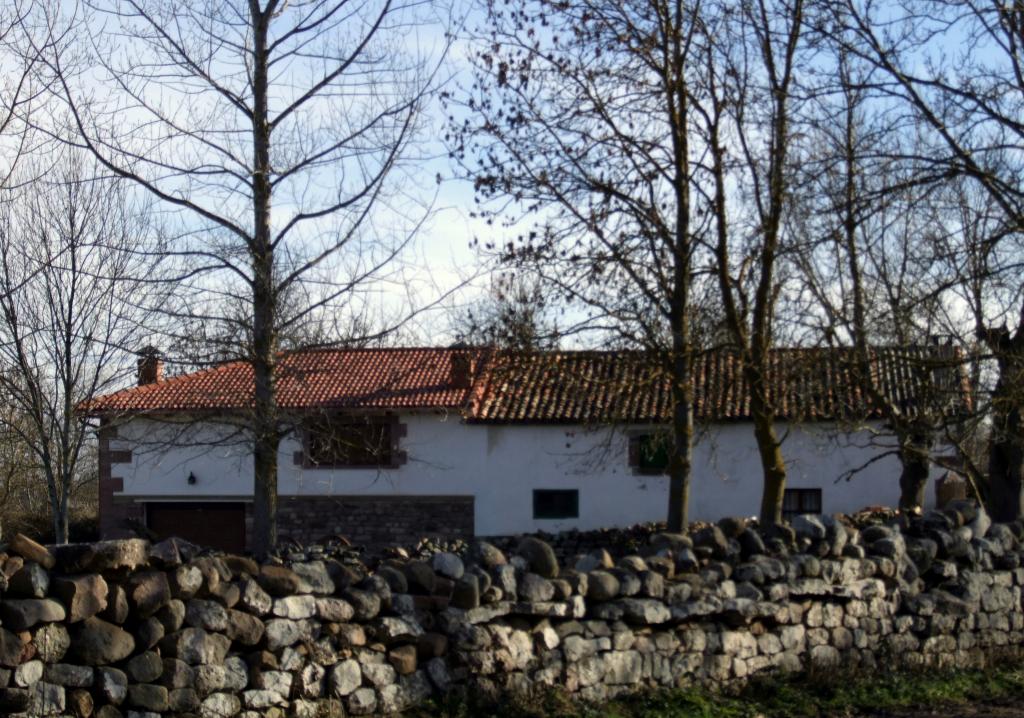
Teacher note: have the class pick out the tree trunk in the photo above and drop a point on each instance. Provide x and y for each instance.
(914, 475)
(769, 448)
(681, 459)
(266, 436)
(1006, 448)
(1006, 456)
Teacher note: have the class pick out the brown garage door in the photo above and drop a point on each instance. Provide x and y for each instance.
(214, 524)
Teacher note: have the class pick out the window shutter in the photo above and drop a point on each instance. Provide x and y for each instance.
(298, 458)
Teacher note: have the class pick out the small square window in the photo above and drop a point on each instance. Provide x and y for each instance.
(648, 453)
(350, 442)
(800, 501)
(556, 504)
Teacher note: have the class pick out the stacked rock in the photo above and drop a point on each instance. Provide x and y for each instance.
(125, 628)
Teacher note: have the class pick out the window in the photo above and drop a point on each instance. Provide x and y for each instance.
(800, 501)
(648, 453)
(556, 504)
(352, 442)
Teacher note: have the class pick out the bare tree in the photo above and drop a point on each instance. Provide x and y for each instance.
(276, 131)
(755, 64)
(868, 264)
(580, 124)
(971, 103)
(516, 315)
(72, 250)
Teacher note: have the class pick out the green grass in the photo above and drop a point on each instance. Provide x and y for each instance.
(807, 696)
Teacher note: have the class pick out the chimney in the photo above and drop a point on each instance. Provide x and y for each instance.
(461, 373)
(150, 366)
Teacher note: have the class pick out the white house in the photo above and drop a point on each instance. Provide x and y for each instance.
(387, 445)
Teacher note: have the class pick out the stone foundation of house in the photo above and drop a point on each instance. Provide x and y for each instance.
(374, 520)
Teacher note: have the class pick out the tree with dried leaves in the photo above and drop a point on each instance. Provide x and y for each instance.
(971, 104)
(579, 126)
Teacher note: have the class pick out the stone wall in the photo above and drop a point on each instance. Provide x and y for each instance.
(123, 628)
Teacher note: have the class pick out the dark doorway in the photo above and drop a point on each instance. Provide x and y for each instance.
(219, 525)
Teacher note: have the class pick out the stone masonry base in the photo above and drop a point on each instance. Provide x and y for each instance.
(374, 520)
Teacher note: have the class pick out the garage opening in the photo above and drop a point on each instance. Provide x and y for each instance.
(219, 525)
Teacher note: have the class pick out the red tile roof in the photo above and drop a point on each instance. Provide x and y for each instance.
(316, 379)
(578, 387)
(805, 384)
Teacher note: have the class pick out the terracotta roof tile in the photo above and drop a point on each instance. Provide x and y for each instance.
(579, 387)
(806, 384)
(321, 379)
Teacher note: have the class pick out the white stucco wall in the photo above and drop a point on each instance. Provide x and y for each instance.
(501, 465)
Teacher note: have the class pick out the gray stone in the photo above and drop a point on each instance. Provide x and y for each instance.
(280, 581)
(602, 586)
(243, 628)
(403, 659)
(594, 561)
(183, 700)
(68, 675)
(195, 646)
(95, 642)
(448, 565)
(712, 538)
(487, 555)
(102, 556)
(316, 577)
(277, 682)
(362, 702)
(220, 705)
(466, 594)
(623, 668)
(177, 674)
(113, 684)
(409, 691)
(30, 581)
(117, 605)
(379, 674)
(533, 587)
(28, 674)
(148, 697)
(208, 615)
(52, 642)
(282, 632)
(646, 611)
(46, 699)
(148, 633)
(22, 614)
(185, 582)
(84, 596)
(345, 678)
(809, 526)
(365, 604)
(686, 561)
(145, 667)
(539, 555)
(310, 680)
(148, 592)
(236, 673)
(295, 607)
(334, 610)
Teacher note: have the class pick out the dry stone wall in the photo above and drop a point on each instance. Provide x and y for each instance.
(124, 628)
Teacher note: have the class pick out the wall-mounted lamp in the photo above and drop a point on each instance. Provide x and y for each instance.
(192, 479)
